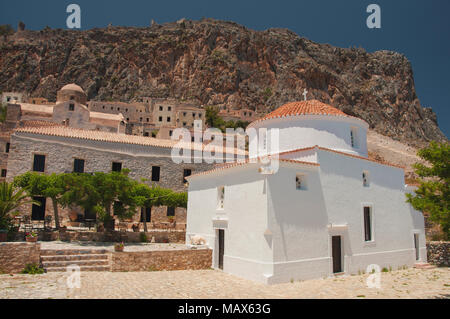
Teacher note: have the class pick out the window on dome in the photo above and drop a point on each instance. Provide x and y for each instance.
(354, 137)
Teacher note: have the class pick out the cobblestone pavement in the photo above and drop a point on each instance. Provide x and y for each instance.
(110, 246)
(409, 283)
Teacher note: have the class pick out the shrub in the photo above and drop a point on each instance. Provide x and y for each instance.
(32, 269)
(143, 238)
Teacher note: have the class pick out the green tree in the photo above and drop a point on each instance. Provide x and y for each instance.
(433, 194)
(52, 186)
(102, 193)
(154, 196)
(11, 198)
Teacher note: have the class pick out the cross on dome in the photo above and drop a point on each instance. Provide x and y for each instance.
(304, 94)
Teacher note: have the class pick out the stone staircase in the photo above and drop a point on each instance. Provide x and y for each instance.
(86, 259)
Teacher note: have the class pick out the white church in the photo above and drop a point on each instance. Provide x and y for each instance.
(327, 210)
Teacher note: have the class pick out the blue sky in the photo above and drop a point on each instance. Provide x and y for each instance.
(419, 29)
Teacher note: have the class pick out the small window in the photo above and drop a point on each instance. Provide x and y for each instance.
(7, 147)
(354, 137)
(170, 133)
(39, 163)
(156, 171)
(103, 107)
(220, 197)
(78, 165)
(169, 108)
(160, 108)
(140, 119)
(200, 115)
(300, 182)
(154, 134)
(148, 214)
(160, 119)
(38, 212)
(71, 107)
(184, 123)
(367, 223)
(148, 120)
(365, 178)
(168, 119)
(193, 114)
(146, 134)
(187, 172)
(72, 97)
(170, 211)
(184, 113)
(4, 172)
(116, 167)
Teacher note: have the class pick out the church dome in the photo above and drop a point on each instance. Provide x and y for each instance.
(309, 123)
(71, 92)
(310, 107)
(72, 87)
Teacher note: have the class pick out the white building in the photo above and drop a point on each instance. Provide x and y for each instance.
(327, 209)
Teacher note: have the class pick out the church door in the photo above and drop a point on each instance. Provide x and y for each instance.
(337, 254)
(221, 247)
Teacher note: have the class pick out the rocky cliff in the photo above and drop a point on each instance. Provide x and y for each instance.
(220, 63)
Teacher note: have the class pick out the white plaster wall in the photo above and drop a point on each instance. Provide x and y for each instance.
(298, 221)
(393, 221)
(247, 252)
(326, 131)
(305, 156)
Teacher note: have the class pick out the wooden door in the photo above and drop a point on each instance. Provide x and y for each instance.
(416, 246)
(337, 254)
(221, 247)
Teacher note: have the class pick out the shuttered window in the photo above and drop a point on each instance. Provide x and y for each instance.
(78, 166)
(156, 172)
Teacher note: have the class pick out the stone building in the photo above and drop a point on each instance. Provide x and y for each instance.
(58, 149)
(13, 97)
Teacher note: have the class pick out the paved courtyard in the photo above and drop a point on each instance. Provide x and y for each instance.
(409, 283)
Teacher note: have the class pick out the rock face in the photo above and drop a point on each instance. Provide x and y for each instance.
(220, 63)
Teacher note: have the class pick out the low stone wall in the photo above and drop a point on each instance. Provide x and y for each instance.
(193, 259)
(438, 253)
(159, 236)
(15, 256)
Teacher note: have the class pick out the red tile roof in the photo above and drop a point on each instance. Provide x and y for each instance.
(309, 107)
(68, 132)
(225, 166)
(341, 153)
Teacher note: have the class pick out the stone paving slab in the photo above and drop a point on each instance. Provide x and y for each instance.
(409, 283)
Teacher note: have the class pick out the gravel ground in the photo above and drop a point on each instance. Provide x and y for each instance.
(409, 283)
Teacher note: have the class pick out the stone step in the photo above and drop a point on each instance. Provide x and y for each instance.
(424, 266)
(74, 257)
(60, 252)
(82, 268)
(51, 264)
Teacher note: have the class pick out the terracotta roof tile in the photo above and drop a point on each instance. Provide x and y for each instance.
(309, 107)
(64, 131)
(225, 166)
(341, 153)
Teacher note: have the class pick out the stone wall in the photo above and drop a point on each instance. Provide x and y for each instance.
(438, 253)
(159, 236)
(15, 256)
(60, 153)
(193, 259)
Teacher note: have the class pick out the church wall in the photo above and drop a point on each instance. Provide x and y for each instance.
(393, 221)
(247, 251)
(78, 118)
(298, 220)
